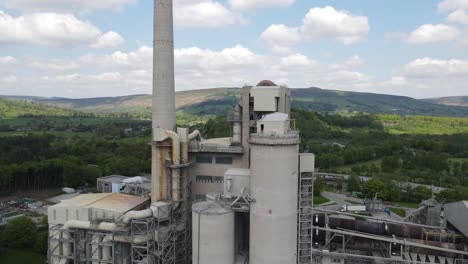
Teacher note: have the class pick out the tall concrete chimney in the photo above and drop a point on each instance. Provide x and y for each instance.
(163, 68)
(164, 117)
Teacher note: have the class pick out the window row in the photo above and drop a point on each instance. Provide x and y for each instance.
(209, 179)
(213, 160)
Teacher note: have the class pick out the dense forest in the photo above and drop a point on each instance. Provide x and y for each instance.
(73, 151)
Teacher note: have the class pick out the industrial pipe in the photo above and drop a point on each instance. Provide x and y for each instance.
(236, 126)
(104, 226)
(176, 162)
(137, 215)
(195, 134)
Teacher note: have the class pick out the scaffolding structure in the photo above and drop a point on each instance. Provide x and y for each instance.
(304, 232)
(86, 246)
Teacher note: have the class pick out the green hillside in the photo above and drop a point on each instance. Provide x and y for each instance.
(423, 124)
(221, 100)
(14, 108)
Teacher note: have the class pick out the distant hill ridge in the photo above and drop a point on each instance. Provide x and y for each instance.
(220, 100)
(453, 100)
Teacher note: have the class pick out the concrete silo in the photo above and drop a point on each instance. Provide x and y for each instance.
(274, 188)
(212, 234)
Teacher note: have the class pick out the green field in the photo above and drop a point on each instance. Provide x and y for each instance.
(21, 256)
(406, 205)
(318, 200)
(423, 124)
(398, 211)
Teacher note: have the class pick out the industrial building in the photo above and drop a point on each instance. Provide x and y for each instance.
(243, 199)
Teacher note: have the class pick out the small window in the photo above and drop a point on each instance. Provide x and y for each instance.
(204, 179)
(262, 128)
(218, 179)
(204, 159)
(223, 160)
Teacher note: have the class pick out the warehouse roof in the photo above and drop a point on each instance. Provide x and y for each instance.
(116, 202)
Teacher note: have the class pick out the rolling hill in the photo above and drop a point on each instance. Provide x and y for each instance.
(454, 100)
(221, 100)
(15, 108)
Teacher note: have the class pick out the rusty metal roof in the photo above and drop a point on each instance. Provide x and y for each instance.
(116, 202)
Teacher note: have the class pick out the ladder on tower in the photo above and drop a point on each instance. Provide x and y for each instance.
(304, 232)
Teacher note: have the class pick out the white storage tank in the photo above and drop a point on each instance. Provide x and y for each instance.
(212, 234)
(274, 186)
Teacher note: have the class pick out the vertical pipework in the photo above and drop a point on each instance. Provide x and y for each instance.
(163, 67)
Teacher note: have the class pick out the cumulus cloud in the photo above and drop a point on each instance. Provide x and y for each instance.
(257, 4)
(458, 16)
(55, 65)
(74, 6)
(280, 38)
(54, 30)
(121, 73)
(204, 13)
(110, 39)
(449, 5)
(429, 68)
(428, 77)
(340, 25)
(319, 23)
(6, 62)
(430, 33)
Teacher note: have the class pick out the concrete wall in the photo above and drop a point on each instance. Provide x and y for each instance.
(216, 171)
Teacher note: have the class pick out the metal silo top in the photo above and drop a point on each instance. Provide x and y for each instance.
(210, 208)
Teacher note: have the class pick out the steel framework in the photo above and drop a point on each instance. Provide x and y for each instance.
(305, 211)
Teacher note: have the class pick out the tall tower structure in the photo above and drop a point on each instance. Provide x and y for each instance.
(163, 67)
(163, 112)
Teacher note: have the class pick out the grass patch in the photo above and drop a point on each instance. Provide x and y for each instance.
(318, 200)
(21, 256)
(406, 205)
(398, 211)
(424, 124)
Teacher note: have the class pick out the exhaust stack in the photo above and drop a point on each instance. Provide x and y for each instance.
(164, 117)
(163, 112)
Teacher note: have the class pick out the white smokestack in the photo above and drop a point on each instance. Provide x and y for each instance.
(164, 116)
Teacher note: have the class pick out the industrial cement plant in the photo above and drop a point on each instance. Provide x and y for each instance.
(243, 199)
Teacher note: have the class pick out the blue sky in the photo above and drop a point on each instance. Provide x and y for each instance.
(89, 48)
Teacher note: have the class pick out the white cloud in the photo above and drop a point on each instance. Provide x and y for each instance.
(110, 39)
(141, 58)
(430, 33)
(204, 13)
(429, 68)
(258, 4)
(6, 62)
(319, 23)
(121, 73)
(458, 16)
(51, 29)
(74, 6)
(11, 79)
(395, 81)
(280, 38)
(56, 65)
(428, 77)
(449, 5)
(340, 25)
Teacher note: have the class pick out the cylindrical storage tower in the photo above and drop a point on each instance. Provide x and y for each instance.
(273, 185)
(212, 234)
